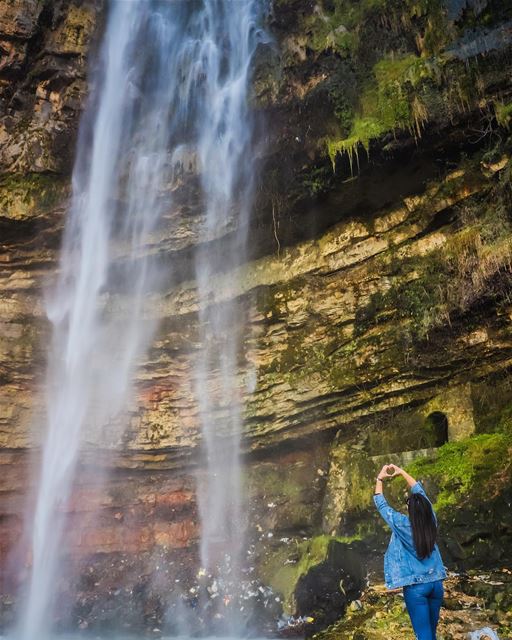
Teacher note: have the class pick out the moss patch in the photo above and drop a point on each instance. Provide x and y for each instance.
(387, 103)
(282, 568)
(334, 25)
(22, 196)
(503, 114)
(467, 467)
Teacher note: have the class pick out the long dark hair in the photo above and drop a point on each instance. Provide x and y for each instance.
(423, 524)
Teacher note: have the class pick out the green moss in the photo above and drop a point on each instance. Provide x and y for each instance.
(334, 25)
(302, 357)
(23, 195)
(388, 103)
(466, 467)
(383, 616)
(408, 68)
(437, 29)
(313, 552)
(283, 575)
(503, 114)
(327, 359)
(417, 301)
(277, 571)
(363, 130)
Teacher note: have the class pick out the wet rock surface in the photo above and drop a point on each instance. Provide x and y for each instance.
(376, 294)
(45, 48)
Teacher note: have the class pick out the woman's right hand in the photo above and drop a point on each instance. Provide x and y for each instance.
(395, 470)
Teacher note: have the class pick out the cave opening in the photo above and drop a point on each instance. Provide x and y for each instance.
(438, 425)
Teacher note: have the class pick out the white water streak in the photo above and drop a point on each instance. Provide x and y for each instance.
(169, 74)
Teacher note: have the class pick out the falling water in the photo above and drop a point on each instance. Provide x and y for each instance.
(170, 75)
(227, 179)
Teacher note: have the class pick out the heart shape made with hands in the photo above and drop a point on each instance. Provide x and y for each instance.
(390, 470)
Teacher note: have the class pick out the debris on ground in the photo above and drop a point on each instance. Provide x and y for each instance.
(291, 626)
(483, 634)
(473, 604)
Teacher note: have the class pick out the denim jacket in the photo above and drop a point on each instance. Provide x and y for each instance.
(401, 564)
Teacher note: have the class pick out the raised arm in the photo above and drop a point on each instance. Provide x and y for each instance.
(390, 516)
(384, 473)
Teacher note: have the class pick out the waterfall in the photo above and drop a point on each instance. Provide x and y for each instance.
(169, 76)
(227, 179)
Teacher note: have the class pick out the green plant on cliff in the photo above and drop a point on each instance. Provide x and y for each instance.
(23, 195)
(405, 87)
(402, 94)
(334, 24)
(478, 466)
(317, 180)
(435, 28)
(389, 102)
(473, 263)
(503, 114)
(283, 568)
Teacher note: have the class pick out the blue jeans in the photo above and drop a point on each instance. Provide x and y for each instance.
(423, 602)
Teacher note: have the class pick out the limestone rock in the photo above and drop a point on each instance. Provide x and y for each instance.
(39, 110)
(374, 307)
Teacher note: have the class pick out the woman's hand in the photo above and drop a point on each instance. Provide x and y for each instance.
(393, 470)
(387, 471)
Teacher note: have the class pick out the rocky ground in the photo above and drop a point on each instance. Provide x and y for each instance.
(472, 601)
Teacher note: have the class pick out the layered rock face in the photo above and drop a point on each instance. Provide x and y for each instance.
(43, 81)
(374, 305)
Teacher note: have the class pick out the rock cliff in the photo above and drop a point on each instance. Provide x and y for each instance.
(375, 304)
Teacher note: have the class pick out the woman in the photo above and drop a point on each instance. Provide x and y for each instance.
(412, 560)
